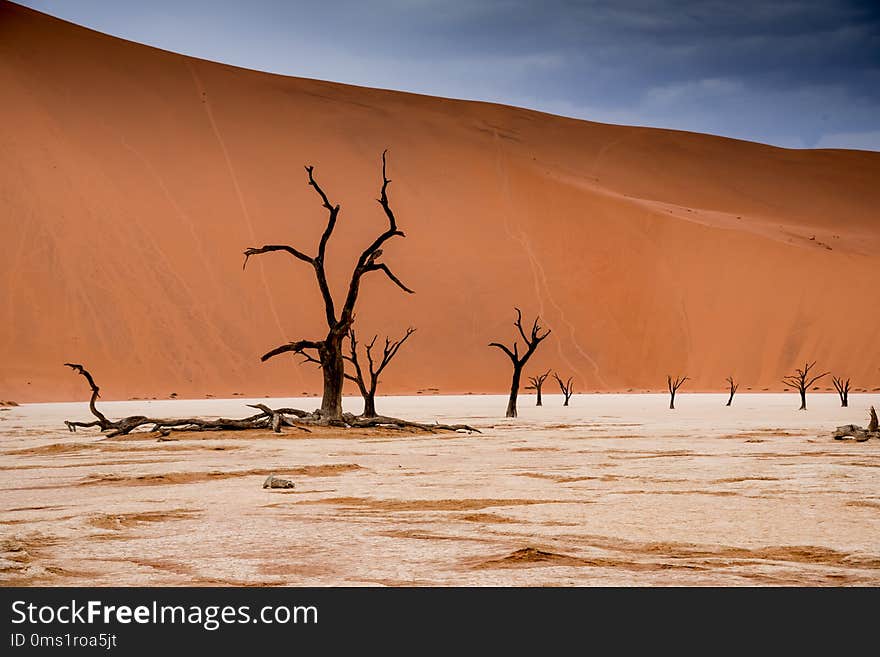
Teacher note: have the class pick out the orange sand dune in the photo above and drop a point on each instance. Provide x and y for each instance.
(132, 179)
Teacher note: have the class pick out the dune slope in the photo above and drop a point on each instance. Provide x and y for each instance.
(132, 179)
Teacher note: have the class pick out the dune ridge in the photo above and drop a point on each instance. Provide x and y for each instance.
(133, 178)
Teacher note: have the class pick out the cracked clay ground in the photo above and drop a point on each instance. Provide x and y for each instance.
(615, 490)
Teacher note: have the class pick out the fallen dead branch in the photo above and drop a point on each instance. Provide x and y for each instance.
(853, 432)
(267, 418)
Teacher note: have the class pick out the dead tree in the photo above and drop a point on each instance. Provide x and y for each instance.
(734, 386)
(873, 425)
(842, 387)
(674, 385)
(374, 369)
(801, 381)
(536, 383)
(532, 340)
(565, 387)
(329, 351)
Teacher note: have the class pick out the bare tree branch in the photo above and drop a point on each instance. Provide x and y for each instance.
(368, 260)
(383, 267)
(674, 385)
(295, 347)
(268, 248)
(102, 420)
(505, 350)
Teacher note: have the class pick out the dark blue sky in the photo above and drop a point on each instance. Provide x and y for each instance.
(794, 73)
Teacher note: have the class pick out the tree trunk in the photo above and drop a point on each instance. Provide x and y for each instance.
(333, 368)
(369, 405)
(538, 388)
(730, 401)
(565, 403)
(844, 399)
(672, 401)
(803, 400)
(514, 391)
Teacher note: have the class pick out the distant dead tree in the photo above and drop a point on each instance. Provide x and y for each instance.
(374, 369)
(537, 383)
(329, 351)
(565, 387)
(674, 385)
(532, 340)
(842, 387)
(801, 381)
(872, 421)
(733, 388)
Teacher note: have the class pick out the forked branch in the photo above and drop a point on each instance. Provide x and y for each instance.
(532, 340)
(674, 385)
(102, 420)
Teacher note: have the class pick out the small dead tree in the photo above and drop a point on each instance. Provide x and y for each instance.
(674, 385)
(873, 425)
(842, 387)
(565, 387)
(801, 381)
(537, 383)
(374, 369)
(329, 351)
(733, 386)
(532, 340)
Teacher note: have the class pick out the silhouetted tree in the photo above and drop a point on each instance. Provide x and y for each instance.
(374, 369)
(842, 387)
(674, 385)
(532, 340)
(537, 383)
(733, 388)
(801, 381)
(328, 352)
(565, 387)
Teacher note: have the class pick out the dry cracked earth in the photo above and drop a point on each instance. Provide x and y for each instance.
(614, 490)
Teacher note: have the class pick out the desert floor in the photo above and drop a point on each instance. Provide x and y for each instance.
(614, 490)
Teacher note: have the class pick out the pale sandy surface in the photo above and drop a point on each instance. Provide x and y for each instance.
(613, 490)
